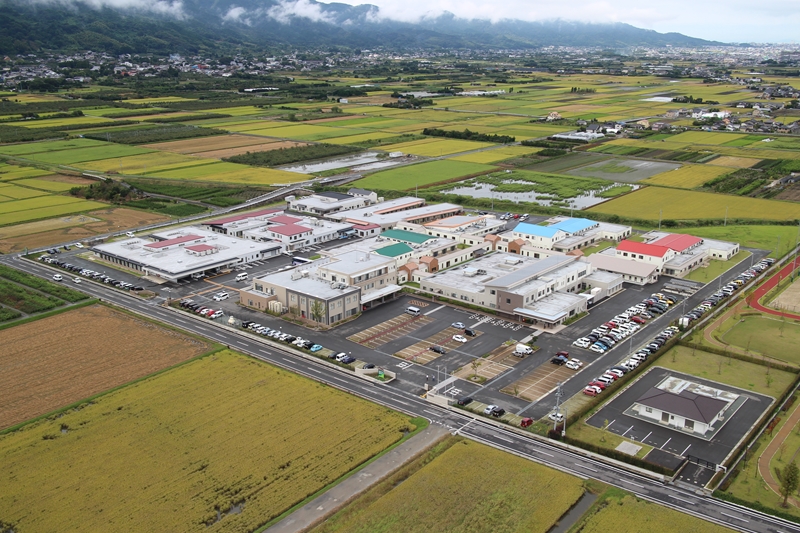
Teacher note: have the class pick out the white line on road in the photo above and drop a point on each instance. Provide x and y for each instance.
(544, 453)
(681, 499)
(314, 370)
(586, 467)
(431, 412)
(734, 517)
(503, 438)
(241, 342)
(434, 310)
(627, 430)
(686, 450)
(631, 483)
(662, 446)
(645, 437)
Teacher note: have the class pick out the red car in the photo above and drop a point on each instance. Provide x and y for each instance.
(599, 384)
(590, 391)
(638, 319)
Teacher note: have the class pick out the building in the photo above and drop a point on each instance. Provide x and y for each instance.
(180, 254)
(464, 229)
(565, 234)
(325, 203)
(390, 213)
(683, 410)
(644, 253)
(234, 225)
(539, 291)
(635, 272)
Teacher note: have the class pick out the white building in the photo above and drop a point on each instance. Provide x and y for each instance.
(326, 203)
(178, 254)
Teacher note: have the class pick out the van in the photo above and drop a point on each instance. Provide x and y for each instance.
(129, 234)
(411, 310)
(522, 349)
(241, 277)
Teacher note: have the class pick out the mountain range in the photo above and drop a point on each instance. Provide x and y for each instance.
(195, 26)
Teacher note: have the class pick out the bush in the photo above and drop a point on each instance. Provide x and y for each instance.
(468, 135)
(296, 154)
(8, 314)
(26, 300)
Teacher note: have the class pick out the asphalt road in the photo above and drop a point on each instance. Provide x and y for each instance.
(672, 496)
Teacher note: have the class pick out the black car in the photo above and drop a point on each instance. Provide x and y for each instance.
(466, 400)
(290, 339)
(469, 332)
(438, 349)
(497, 412)
(367, 366)
(347, 360)
(559, 360)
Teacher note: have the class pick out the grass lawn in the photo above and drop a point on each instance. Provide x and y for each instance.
(599, 248)
(715, 268)
(741, 374)
(462, 486)
(764, 335)
(604, 439)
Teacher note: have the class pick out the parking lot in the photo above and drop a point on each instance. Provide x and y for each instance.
(537, 384)
(420, 351)
(498, 361)
(676, 442)
(394, 328)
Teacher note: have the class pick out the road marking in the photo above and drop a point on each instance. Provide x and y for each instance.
(586, 467)
(241, 342)
(505, 439)
(662, 446)
(431, 412)
(681, 499)
(645, 437)
(686, 450)
(434, 310)
(544, 453)
(314, 370)
(632, 483)
(627, 430)
(734, 517)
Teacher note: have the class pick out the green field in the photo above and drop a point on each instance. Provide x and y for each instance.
(716, 268)
(765, 335)
(676, 204)
(740, 374)
(44, 207)
(411, 176)
(49, 146)
(79, 155)
(687, 177)
(169, 452)
(466, 488)
(436, 147)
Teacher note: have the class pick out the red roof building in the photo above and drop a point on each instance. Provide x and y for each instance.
(289, 230)
(237, 218)
(285, 219)
(172, 242)
(679, 243)
(640, 248)
(201, 248)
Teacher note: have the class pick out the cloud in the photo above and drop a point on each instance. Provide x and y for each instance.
(237, 14)
(172, 8)
(285, 10)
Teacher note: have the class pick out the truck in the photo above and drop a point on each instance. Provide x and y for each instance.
(522, 349)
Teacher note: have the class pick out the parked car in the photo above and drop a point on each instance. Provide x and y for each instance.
(497, 412)
(437, 349)
(590, 391)
(458, 325)
(316, 347)
(489, 409)
(221, 296)
(466, 400)
(338, 356)
(348, 359)
(574, 364)
(459, 338)
(556, 417)
(559, 360)
(367, 366)
(469, 332)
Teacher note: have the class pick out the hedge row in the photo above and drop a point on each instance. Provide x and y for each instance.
(742, 357)
(617, 455)
(60, 291)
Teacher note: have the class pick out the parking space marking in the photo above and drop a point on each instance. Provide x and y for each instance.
(539, 382)
(434, 310)
(662, 446)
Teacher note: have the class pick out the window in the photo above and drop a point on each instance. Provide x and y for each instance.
(294, 298)
(648, 409)
(508, 300)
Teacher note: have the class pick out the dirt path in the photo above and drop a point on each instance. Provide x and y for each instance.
(774, 447)
(760, 292)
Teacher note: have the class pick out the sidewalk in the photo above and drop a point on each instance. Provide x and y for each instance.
(338, 496)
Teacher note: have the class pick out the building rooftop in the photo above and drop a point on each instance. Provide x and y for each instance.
(612, 263)
(538, 231)
(172, 242)
(304, 280)
(574, 225)
(355, 262)
(551, 308)
(359, 192)
(201, 248)
(335, 195)
(685, 404)
(289, 229)
(531, 270)
(394, 250)
(285, 219)
(677, 241)
(642, 248)
(243, 216)
(406, 236)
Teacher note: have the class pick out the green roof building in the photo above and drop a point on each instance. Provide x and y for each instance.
(395, 250)
(408, 237)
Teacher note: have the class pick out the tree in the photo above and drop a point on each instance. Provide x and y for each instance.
(789, 481)
(603, 429)
(475, 364)
(317, 310)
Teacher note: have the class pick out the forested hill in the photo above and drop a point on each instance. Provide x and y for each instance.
(191, 26)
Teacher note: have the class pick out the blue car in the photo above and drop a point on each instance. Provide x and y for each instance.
(316, 348)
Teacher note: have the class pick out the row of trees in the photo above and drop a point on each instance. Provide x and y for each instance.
(468, 135)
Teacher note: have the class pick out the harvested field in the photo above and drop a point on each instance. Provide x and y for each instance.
(687, 176)
(734, 162)
(178, 451)
(56, 361)
(265, 147)
(218, 142)
(76, 228)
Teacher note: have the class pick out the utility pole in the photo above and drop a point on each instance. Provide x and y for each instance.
(726, 216)
(557, 408)
(660, 212)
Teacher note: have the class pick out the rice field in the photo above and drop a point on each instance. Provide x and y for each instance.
(80, 155)
(688, 176)
(140, 164)
(10, 192)
(734, 162)
(49, 146)
(203, 144)
(706, 137)
(363, 137)
(56, 122)
(499, 154)
(423, 174)
(45, 184)
(159, 461)
(468, 487)
(677, 204)
(44, 207)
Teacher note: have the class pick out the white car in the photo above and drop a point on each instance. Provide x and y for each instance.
(216, 314)
(458, 325)
(574, 364)
(220, 296)
(489, 409)
(596, 348)
(76, 280)
(57, 277)
(459, 338)
(78, 245)
(581, 343)
(553, 416)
